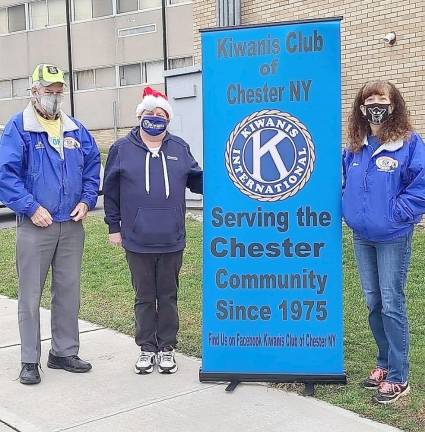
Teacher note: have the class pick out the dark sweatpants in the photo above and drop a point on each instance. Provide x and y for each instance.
(155, 278)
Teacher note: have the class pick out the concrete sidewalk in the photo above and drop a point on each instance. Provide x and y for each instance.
(113, 398)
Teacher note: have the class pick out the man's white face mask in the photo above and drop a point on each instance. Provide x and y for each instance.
(50, 103)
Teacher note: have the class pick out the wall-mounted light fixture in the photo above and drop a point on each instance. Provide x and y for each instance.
(390, 38)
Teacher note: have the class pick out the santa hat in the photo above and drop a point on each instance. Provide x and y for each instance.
(154, 99)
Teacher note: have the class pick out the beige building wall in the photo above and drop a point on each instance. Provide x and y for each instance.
(364, 54)
(95, 44)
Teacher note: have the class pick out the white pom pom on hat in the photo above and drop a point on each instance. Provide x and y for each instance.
(154, 99)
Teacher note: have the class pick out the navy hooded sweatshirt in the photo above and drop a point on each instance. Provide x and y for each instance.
(145, 193)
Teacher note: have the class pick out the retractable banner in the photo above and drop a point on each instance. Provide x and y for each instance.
(272, 273)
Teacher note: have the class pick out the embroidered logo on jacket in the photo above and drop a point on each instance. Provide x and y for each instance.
(39, 145)
(172, 158)
(71, 143)
(386, 164)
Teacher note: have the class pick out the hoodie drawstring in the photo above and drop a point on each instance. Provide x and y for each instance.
(164, 169)
(147, 175)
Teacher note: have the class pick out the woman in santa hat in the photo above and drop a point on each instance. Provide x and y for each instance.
(146, 176)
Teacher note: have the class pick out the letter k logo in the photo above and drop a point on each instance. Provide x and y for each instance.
(259, 151)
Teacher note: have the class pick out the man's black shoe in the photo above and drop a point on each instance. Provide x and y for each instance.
(70, 363)
(29, 374)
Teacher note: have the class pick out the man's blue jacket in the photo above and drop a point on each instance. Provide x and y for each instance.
(33, 174)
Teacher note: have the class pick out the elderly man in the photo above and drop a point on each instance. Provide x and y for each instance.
(49, 175)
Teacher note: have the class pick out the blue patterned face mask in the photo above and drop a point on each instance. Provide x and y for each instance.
(153, 125)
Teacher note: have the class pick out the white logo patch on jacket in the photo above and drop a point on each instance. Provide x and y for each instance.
(71, 143)
(386, 164)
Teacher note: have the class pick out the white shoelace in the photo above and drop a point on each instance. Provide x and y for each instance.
(145, 357)
(168, 356)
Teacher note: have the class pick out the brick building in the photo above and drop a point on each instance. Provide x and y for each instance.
(365, 55)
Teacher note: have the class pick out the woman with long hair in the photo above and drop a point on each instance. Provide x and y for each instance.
(383, 198)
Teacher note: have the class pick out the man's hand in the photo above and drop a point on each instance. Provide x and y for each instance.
(80, 212)
(42, 218)
(115, 239)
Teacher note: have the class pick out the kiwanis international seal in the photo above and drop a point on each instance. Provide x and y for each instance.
(270, 155)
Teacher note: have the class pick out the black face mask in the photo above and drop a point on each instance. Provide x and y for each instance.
(377, 113)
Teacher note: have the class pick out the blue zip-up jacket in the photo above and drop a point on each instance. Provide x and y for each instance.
(145, 193)
(33, 174)
(384, 188)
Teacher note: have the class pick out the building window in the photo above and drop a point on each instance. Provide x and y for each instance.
(88, 9)
(134, 31)
(38, 12)
(154, 72)
(174, 2)
(175, 63)
(5, 89)
(127, 6)
(20, 87)
(102, 8)
(16, 18)
(82, 10)
(56, 12)
(149, 4)
(84, 80)
(3, 21)
(130, 74)
(105, 77)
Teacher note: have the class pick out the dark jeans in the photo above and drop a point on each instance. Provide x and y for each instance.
(155, 278)
(383, 270)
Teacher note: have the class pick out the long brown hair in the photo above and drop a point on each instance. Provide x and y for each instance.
(396, 127)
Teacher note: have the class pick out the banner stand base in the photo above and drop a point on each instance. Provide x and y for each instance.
(309, 389)
(232, 385)
(309, 381)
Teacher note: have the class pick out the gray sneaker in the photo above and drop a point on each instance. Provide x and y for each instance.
(145, 363)
(167, 362)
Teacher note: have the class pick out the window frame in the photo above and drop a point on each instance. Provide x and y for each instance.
(178, 58)
(11, 97)
(147, 9)
(142, 78)
(26, 12)
(10, 90)
(184, 2)
(145, 68)
(114, 86)
(81, 20)
(27, 87)
(30, 19)
(137, 34)
(115, 13)
(94, 70)
(76, 89)
(48, 16)
(117, 4)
